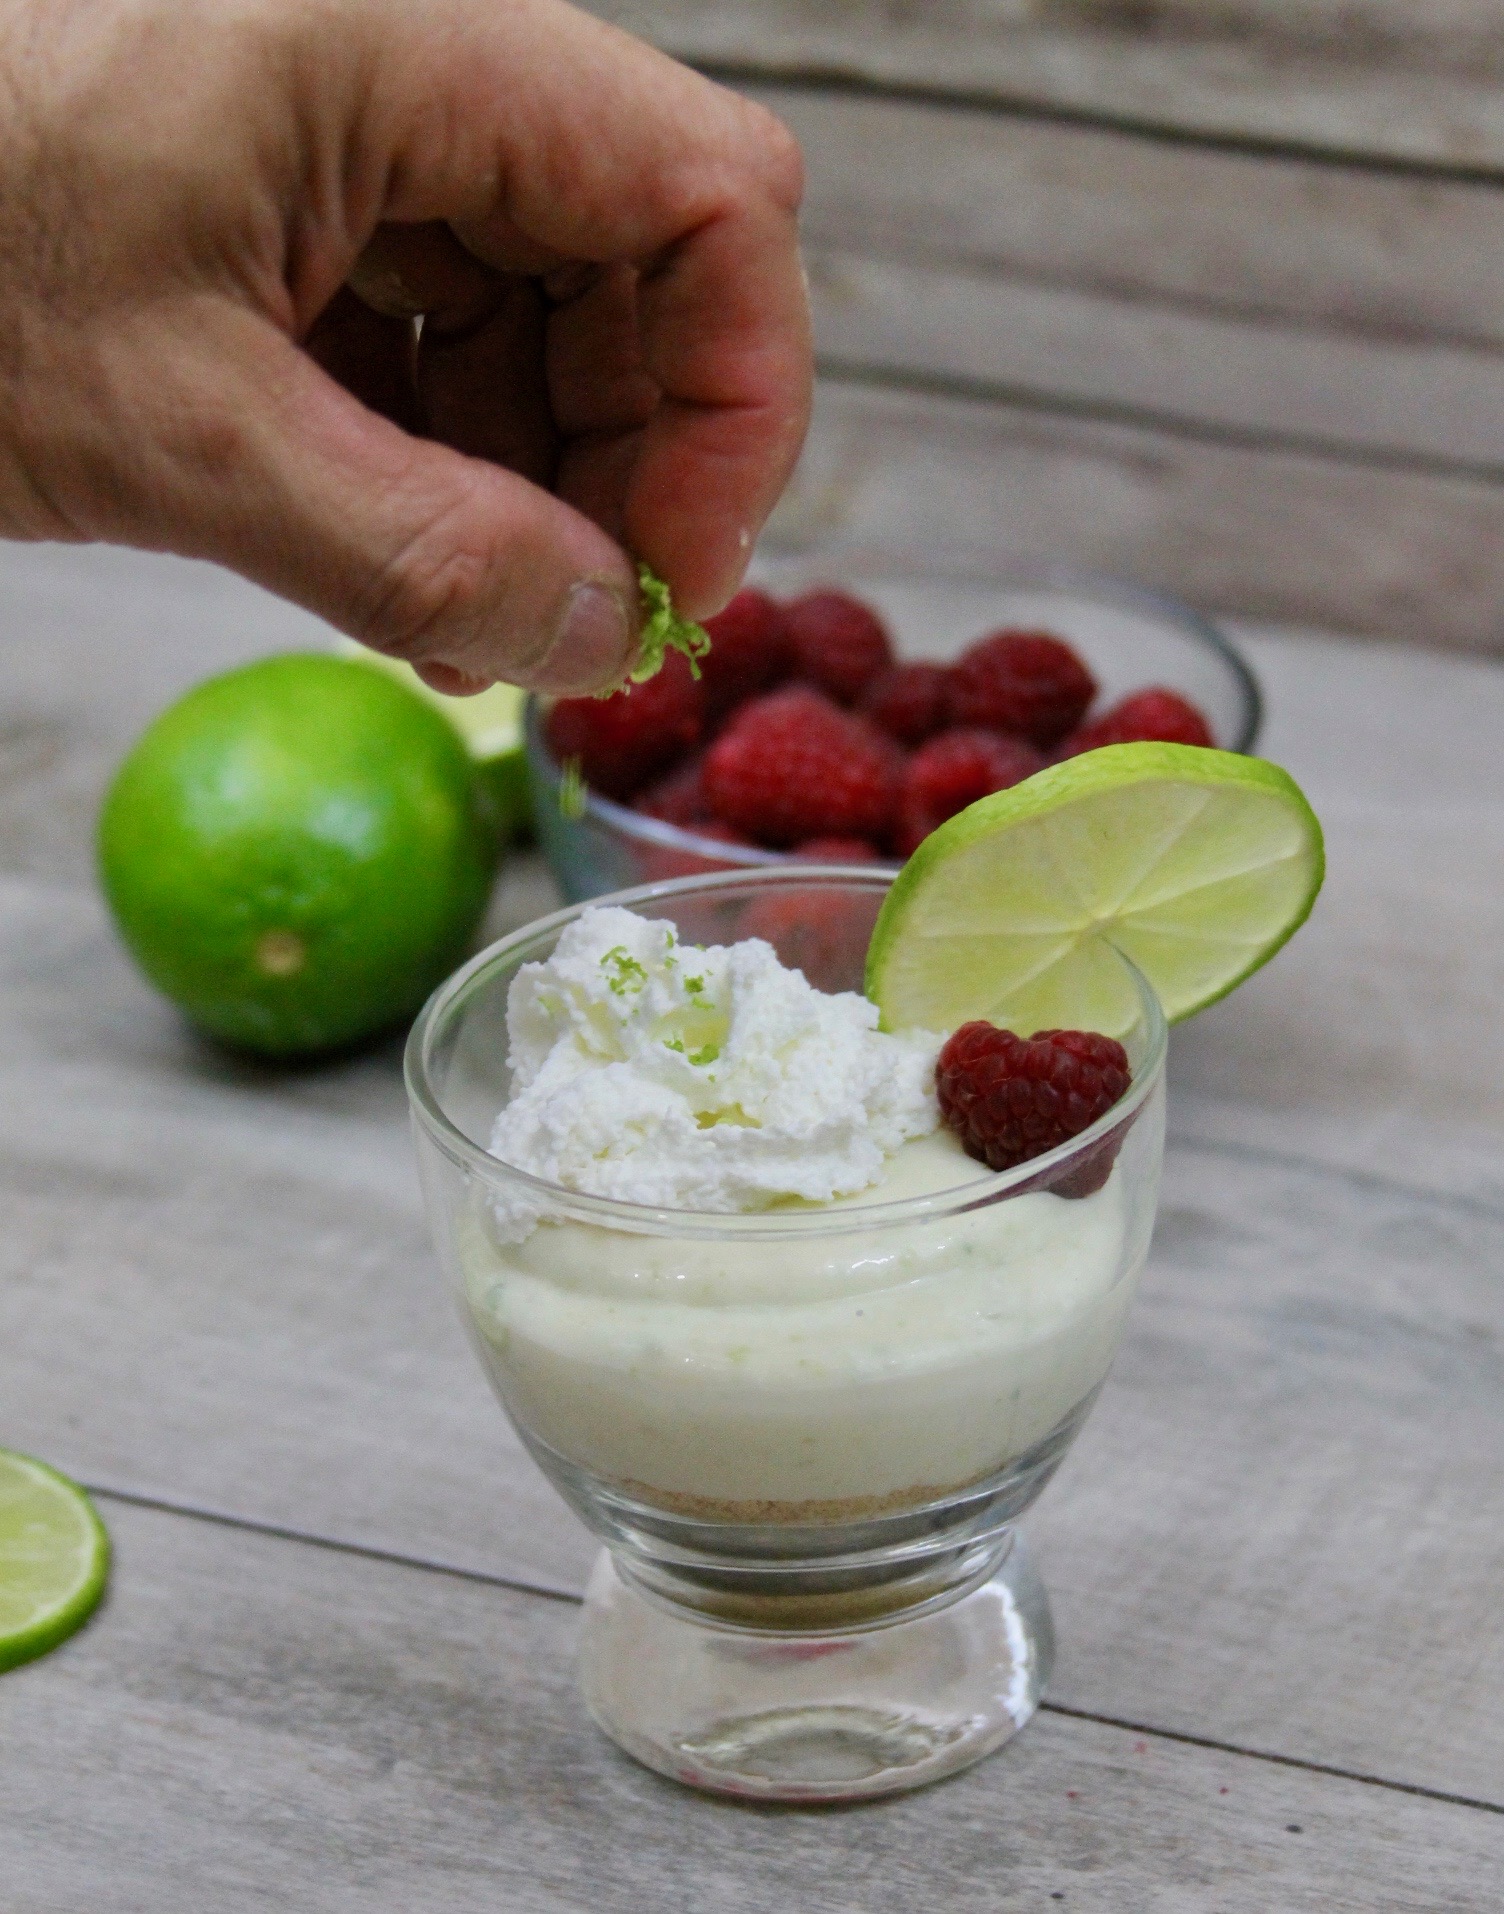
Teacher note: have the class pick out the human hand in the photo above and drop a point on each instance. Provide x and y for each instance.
(603, 244)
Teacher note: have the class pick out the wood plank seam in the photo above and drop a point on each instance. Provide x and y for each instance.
(396, 1558)
(283, 1532)
(833, 252)
(819, 77)
(1271, 536)
(969, 390)
(1278, 1760)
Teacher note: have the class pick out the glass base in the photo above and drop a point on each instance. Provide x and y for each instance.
(835, 1714)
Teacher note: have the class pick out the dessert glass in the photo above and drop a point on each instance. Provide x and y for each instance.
(804, 1435)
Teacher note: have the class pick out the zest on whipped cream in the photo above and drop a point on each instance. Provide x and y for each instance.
(692, 1078)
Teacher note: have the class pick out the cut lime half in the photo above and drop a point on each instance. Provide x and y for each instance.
(1195, 864)
(491, 725)
(54, 1558)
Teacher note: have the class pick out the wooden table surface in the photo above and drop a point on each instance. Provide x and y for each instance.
(1204, 292)
(334, 1672)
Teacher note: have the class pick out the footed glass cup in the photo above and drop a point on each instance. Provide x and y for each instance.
(805, 1436)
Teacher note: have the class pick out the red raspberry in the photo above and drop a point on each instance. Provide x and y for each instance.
(837, 850)
(1155, 715)
(839, 643)
(1027, 682)
(822, 930)
(624, 740)
(678, 798)
(1012, 1098)
(750, 651)
(792, 766)
(911, 702)
(952, 771)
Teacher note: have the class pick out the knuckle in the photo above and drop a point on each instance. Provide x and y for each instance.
(430, 599)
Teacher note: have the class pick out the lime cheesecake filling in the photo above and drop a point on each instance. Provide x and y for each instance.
(744, 1370)
(832, 1374)
(691, 1078)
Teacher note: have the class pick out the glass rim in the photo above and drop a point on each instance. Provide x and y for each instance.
(609, 1212)
(1018, 574)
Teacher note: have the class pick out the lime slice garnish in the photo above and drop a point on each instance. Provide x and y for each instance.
(491, 724)
(1195, 864)
(54, 1557)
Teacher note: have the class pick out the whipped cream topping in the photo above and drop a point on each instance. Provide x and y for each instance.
(714, 1079)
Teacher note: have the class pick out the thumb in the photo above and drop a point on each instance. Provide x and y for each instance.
(464, 569)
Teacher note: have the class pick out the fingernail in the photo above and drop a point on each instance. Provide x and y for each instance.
(451, 682)
(592, 642)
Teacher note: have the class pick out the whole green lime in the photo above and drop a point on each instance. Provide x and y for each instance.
(296, 853)
(491, 725)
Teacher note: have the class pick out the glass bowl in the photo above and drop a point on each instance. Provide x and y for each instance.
(1130, 638)
(804, 1435)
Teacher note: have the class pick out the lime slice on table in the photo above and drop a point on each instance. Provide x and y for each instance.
(491, 724)
(1195, 864)
(54, 1557)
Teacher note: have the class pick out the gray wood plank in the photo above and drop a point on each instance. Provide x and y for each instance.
(217, 1281)
(1374, 1042)
(1271, 295)
(1228, 235)
(1378, 77)
(1286, 1516)
(1419, 403)
(253, 1724)
(1242, 529)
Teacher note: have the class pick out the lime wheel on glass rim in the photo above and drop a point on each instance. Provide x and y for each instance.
(296, 853)
(1195, 864)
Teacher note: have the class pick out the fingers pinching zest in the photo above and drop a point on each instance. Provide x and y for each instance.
(614, 358)
(678, 354)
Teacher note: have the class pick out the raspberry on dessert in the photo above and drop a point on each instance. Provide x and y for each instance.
(1155, 715)
(624, 740)
(1027, 682)
(750, 651)
(839, 643)
(837, 850)
(791, 766)
(1011, 1098)
(952, 771)
(678, 797)
(911, 702)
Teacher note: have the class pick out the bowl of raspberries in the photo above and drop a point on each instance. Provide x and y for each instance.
(845, 711)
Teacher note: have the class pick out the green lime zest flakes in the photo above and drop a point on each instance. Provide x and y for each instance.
(664, 631)
(694, 986)
(630, 975)
(572, 792)
(701, 1059)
